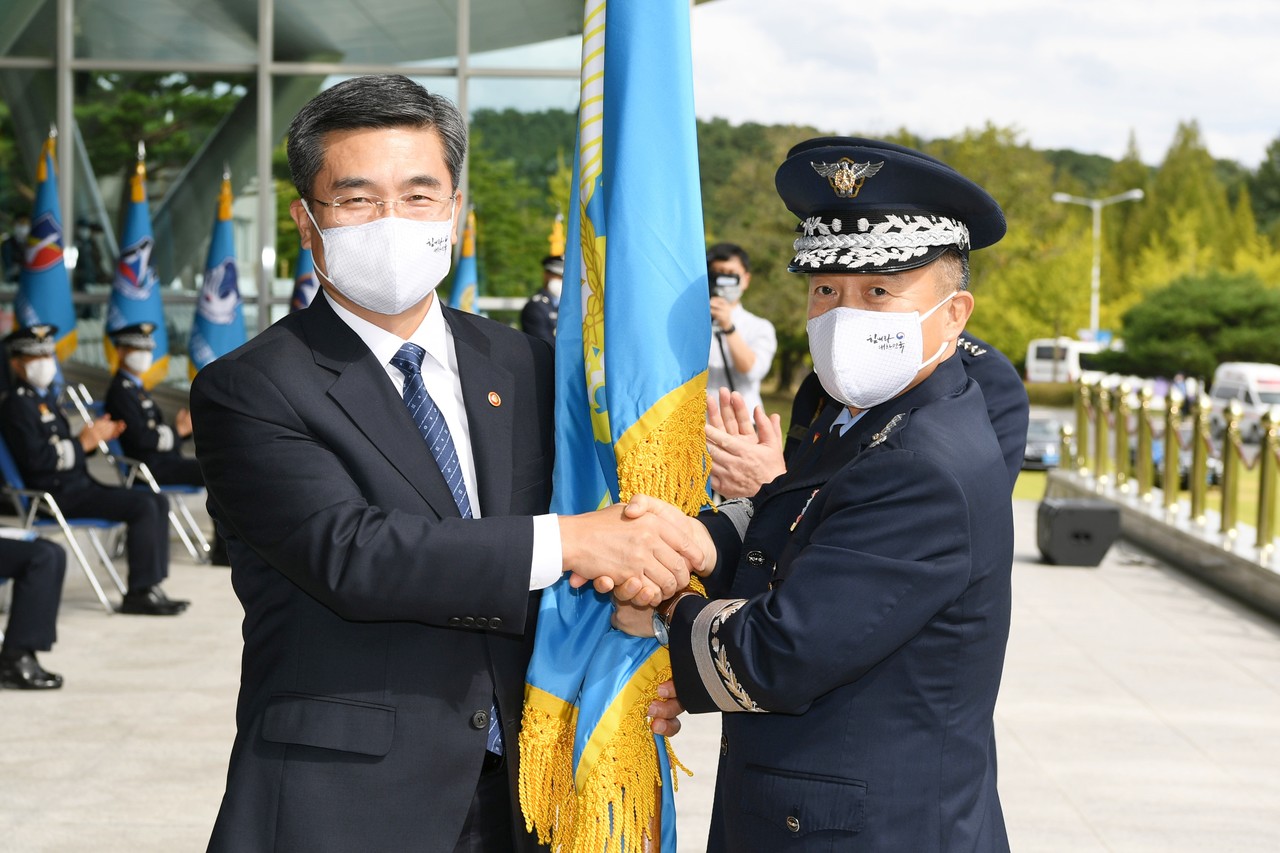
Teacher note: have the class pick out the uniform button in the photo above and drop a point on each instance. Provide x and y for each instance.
(755, 558)
(793, 823)
(495, 623)
(482, 622)
(724, 745)
(468, 622)
(454, 621)
(480, 720)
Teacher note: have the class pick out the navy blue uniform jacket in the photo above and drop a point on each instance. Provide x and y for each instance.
(378, 625)
(856, 636)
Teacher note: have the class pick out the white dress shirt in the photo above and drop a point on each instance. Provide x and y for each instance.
(440, 376)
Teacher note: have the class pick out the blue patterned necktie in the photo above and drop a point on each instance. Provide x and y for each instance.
(435, 432)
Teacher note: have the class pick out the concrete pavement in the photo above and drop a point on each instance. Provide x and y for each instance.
(1140, 712)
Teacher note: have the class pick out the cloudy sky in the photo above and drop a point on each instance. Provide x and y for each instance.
(1080, 75)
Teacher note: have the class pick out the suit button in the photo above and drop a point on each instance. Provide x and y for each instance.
(480, 720)
(468, 622)
(724, 745)
(482, 622)
(755, 558)
(454, 621)
(793, 823)
(495, 623)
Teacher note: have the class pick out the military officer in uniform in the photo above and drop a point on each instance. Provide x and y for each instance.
(538, 317)
(147, 437)
(52, 458)
(858, 607)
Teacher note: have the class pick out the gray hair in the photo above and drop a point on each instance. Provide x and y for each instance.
(954, 263)
(375, 101)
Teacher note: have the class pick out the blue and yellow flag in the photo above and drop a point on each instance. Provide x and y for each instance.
(219, 321)
(304, 282)
(631, 384)
(135, 292)
(44, 285)
(466, 281)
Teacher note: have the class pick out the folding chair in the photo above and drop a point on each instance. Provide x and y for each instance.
(135, 474)
(28, 503)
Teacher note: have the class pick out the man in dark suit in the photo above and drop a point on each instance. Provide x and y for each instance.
(35, 567)
(538, 317)
(380, 467)
(858, 607)
(52, 458)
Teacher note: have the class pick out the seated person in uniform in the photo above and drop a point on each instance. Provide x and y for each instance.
(52, 459)
(858, 605)
(35, 568)
(147, 437)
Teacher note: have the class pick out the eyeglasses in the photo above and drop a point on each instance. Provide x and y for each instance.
(359, 209)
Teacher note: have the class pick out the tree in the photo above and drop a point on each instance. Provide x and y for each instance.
(1197, 322)
(1265, 191)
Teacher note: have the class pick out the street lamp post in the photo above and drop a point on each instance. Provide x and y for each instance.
(1096, 205)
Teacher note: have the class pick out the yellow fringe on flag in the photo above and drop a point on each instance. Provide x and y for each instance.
(617, 790)
(664, 453)
(547, 796)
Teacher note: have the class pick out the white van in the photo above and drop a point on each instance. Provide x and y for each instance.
(1057, 359)
(1255, 385)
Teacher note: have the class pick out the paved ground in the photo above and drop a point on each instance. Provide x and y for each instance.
(1140, 712)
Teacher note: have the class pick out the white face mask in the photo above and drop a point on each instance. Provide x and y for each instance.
(138, 362)
(866, 357)
(554, 286)
(388, 265)
(21, 231)
(41, 372)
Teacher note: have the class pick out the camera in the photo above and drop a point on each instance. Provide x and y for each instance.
(726, 285)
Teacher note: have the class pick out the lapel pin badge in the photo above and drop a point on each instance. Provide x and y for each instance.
(494, 399)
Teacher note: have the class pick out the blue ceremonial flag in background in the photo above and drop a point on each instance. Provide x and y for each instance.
(219, 321)
(466, 281)
(135, 292)
(304, 282)
(631, 361)
(44, 284)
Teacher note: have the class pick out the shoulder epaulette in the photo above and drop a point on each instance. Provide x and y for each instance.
(970, 347)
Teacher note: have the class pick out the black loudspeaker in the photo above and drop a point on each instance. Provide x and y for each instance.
(1076, 531)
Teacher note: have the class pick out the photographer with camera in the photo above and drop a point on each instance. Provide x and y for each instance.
(743, 344)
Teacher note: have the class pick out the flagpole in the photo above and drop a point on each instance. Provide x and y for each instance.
(65, 119)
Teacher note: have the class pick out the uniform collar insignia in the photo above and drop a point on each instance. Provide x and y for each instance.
(970, 347)
(845, 176)
(880, 437)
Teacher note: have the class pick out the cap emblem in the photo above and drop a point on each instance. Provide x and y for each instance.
(845, 176)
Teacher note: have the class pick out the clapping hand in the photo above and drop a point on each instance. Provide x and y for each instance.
(743, 456)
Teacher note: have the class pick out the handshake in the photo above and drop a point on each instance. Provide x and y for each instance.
(642, 551)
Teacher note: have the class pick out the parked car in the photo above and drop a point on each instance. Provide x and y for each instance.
(1254, 385)
(1044, 443)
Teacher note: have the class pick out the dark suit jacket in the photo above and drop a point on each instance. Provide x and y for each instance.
(862, 656)
(378, 623)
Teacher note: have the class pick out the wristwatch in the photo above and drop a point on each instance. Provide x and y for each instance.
(662, 616)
